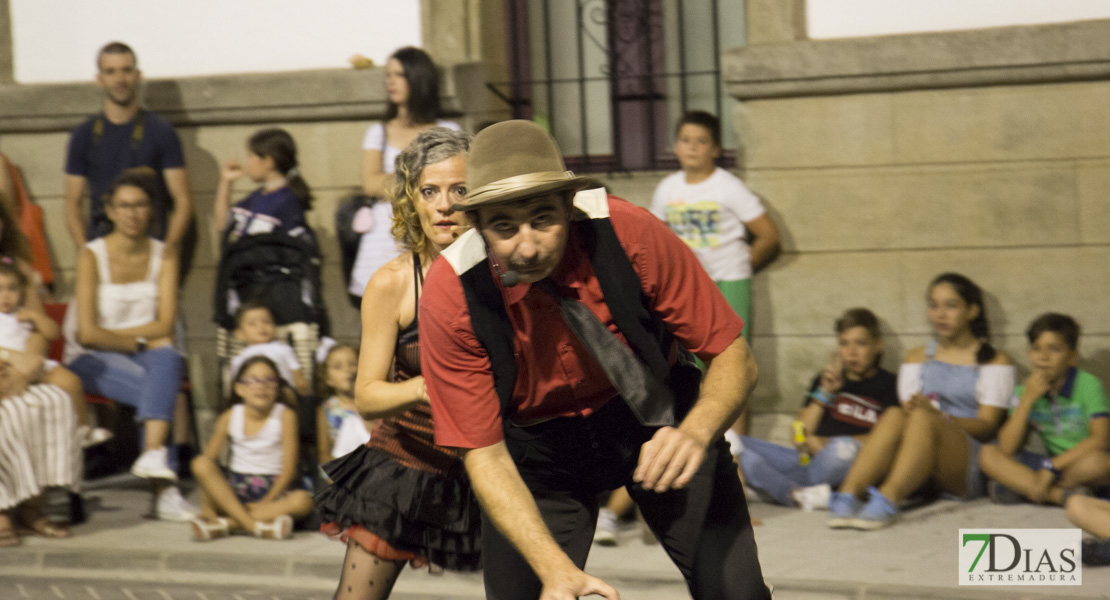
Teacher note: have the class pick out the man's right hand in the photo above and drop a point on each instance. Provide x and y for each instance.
(575, 584)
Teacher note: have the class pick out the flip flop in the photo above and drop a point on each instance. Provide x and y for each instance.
(280, 528)
(206, 531)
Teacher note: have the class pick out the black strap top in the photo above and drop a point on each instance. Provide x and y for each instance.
(407, 352)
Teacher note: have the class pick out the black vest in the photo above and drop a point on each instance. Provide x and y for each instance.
(642, 328)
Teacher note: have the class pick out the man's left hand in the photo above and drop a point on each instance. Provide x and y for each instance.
(668, 460)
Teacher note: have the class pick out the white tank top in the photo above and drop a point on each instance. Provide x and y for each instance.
(118, 305)
(13, 333)
(261, 453)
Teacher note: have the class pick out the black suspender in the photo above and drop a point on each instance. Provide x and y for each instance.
(642, 328)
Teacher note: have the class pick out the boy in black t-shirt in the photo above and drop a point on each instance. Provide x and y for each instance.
(843, 404)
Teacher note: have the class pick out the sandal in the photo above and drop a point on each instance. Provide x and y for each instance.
(8, 537)
(280, 528)
(205, 530)
(44, 527)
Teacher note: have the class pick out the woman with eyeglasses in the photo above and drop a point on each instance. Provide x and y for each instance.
(120, 329)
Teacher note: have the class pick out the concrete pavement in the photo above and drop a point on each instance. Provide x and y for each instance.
(917, 558)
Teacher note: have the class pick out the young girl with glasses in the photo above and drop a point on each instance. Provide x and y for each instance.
(257, 494)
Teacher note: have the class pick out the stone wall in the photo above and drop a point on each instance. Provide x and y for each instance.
(327, 112)
(886, 161)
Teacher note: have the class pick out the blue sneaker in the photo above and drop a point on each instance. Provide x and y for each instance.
(842, 510)
(877, 513)
(1096, 552)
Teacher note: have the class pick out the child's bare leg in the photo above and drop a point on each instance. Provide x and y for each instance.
(215, 488)
(1093, 468)
(295, 503)
(1008, 471)
(620, 502)
(877, 454)
(37, 344)
(71, 383)
(917, 457)
(1090, 514)
(208, 509)
(365, 576)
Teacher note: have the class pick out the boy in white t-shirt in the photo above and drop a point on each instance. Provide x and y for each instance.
(254, 326)
(715, 214)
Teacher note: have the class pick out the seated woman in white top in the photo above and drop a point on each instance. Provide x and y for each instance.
(412, 84)
(954, 393)
(119, 329)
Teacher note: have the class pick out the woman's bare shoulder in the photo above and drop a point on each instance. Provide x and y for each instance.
(915, 355)
(1001, 358)
(392, 279)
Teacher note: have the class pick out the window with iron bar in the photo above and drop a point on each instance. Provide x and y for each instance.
(610, 78)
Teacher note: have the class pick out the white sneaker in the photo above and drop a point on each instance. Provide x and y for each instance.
(606, 533)
(152, 464)
(814, 497)
(90, 437)
(735, 444)
(172, 506)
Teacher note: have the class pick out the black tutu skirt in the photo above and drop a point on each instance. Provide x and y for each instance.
(431, 515)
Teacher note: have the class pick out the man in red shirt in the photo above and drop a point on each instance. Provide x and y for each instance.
(544, 428)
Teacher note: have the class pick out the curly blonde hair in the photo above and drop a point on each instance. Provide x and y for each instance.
(433, 146)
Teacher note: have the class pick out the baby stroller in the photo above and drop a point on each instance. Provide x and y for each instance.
(282, 271)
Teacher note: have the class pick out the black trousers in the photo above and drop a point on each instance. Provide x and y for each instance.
(567, 463)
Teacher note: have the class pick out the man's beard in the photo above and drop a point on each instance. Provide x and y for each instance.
(122, 103)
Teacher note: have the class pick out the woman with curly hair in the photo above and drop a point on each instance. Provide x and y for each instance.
(401, 497)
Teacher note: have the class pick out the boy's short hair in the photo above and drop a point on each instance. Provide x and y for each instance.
(1057, 323)
(704, 119)
(248, 306)
(859, 317)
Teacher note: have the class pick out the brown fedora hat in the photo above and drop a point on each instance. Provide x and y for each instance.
(513, 160)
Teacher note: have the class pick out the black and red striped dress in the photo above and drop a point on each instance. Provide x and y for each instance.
(402, 497)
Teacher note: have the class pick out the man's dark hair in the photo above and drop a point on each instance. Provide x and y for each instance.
(704, 119)
(116, 48)
(423, 80)
(1062, 325)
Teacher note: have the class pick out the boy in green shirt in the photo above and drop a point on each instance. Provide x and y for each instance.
(1067, 407)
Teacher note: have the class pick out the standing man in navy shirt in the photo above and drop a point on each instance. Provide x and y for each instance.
(122, 136)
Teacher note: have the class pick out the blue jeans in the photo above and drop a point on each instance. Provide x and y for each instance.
(148, 381)
(775, 469)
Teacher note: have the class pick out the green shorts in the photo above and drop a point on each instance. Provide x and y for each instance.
(738, 294)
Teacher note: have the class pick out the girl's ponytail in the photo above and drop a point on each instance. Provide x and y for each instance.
(299, 187)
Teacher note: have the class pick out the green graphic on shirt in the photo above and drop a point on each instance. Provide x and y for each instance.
(697, 223)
